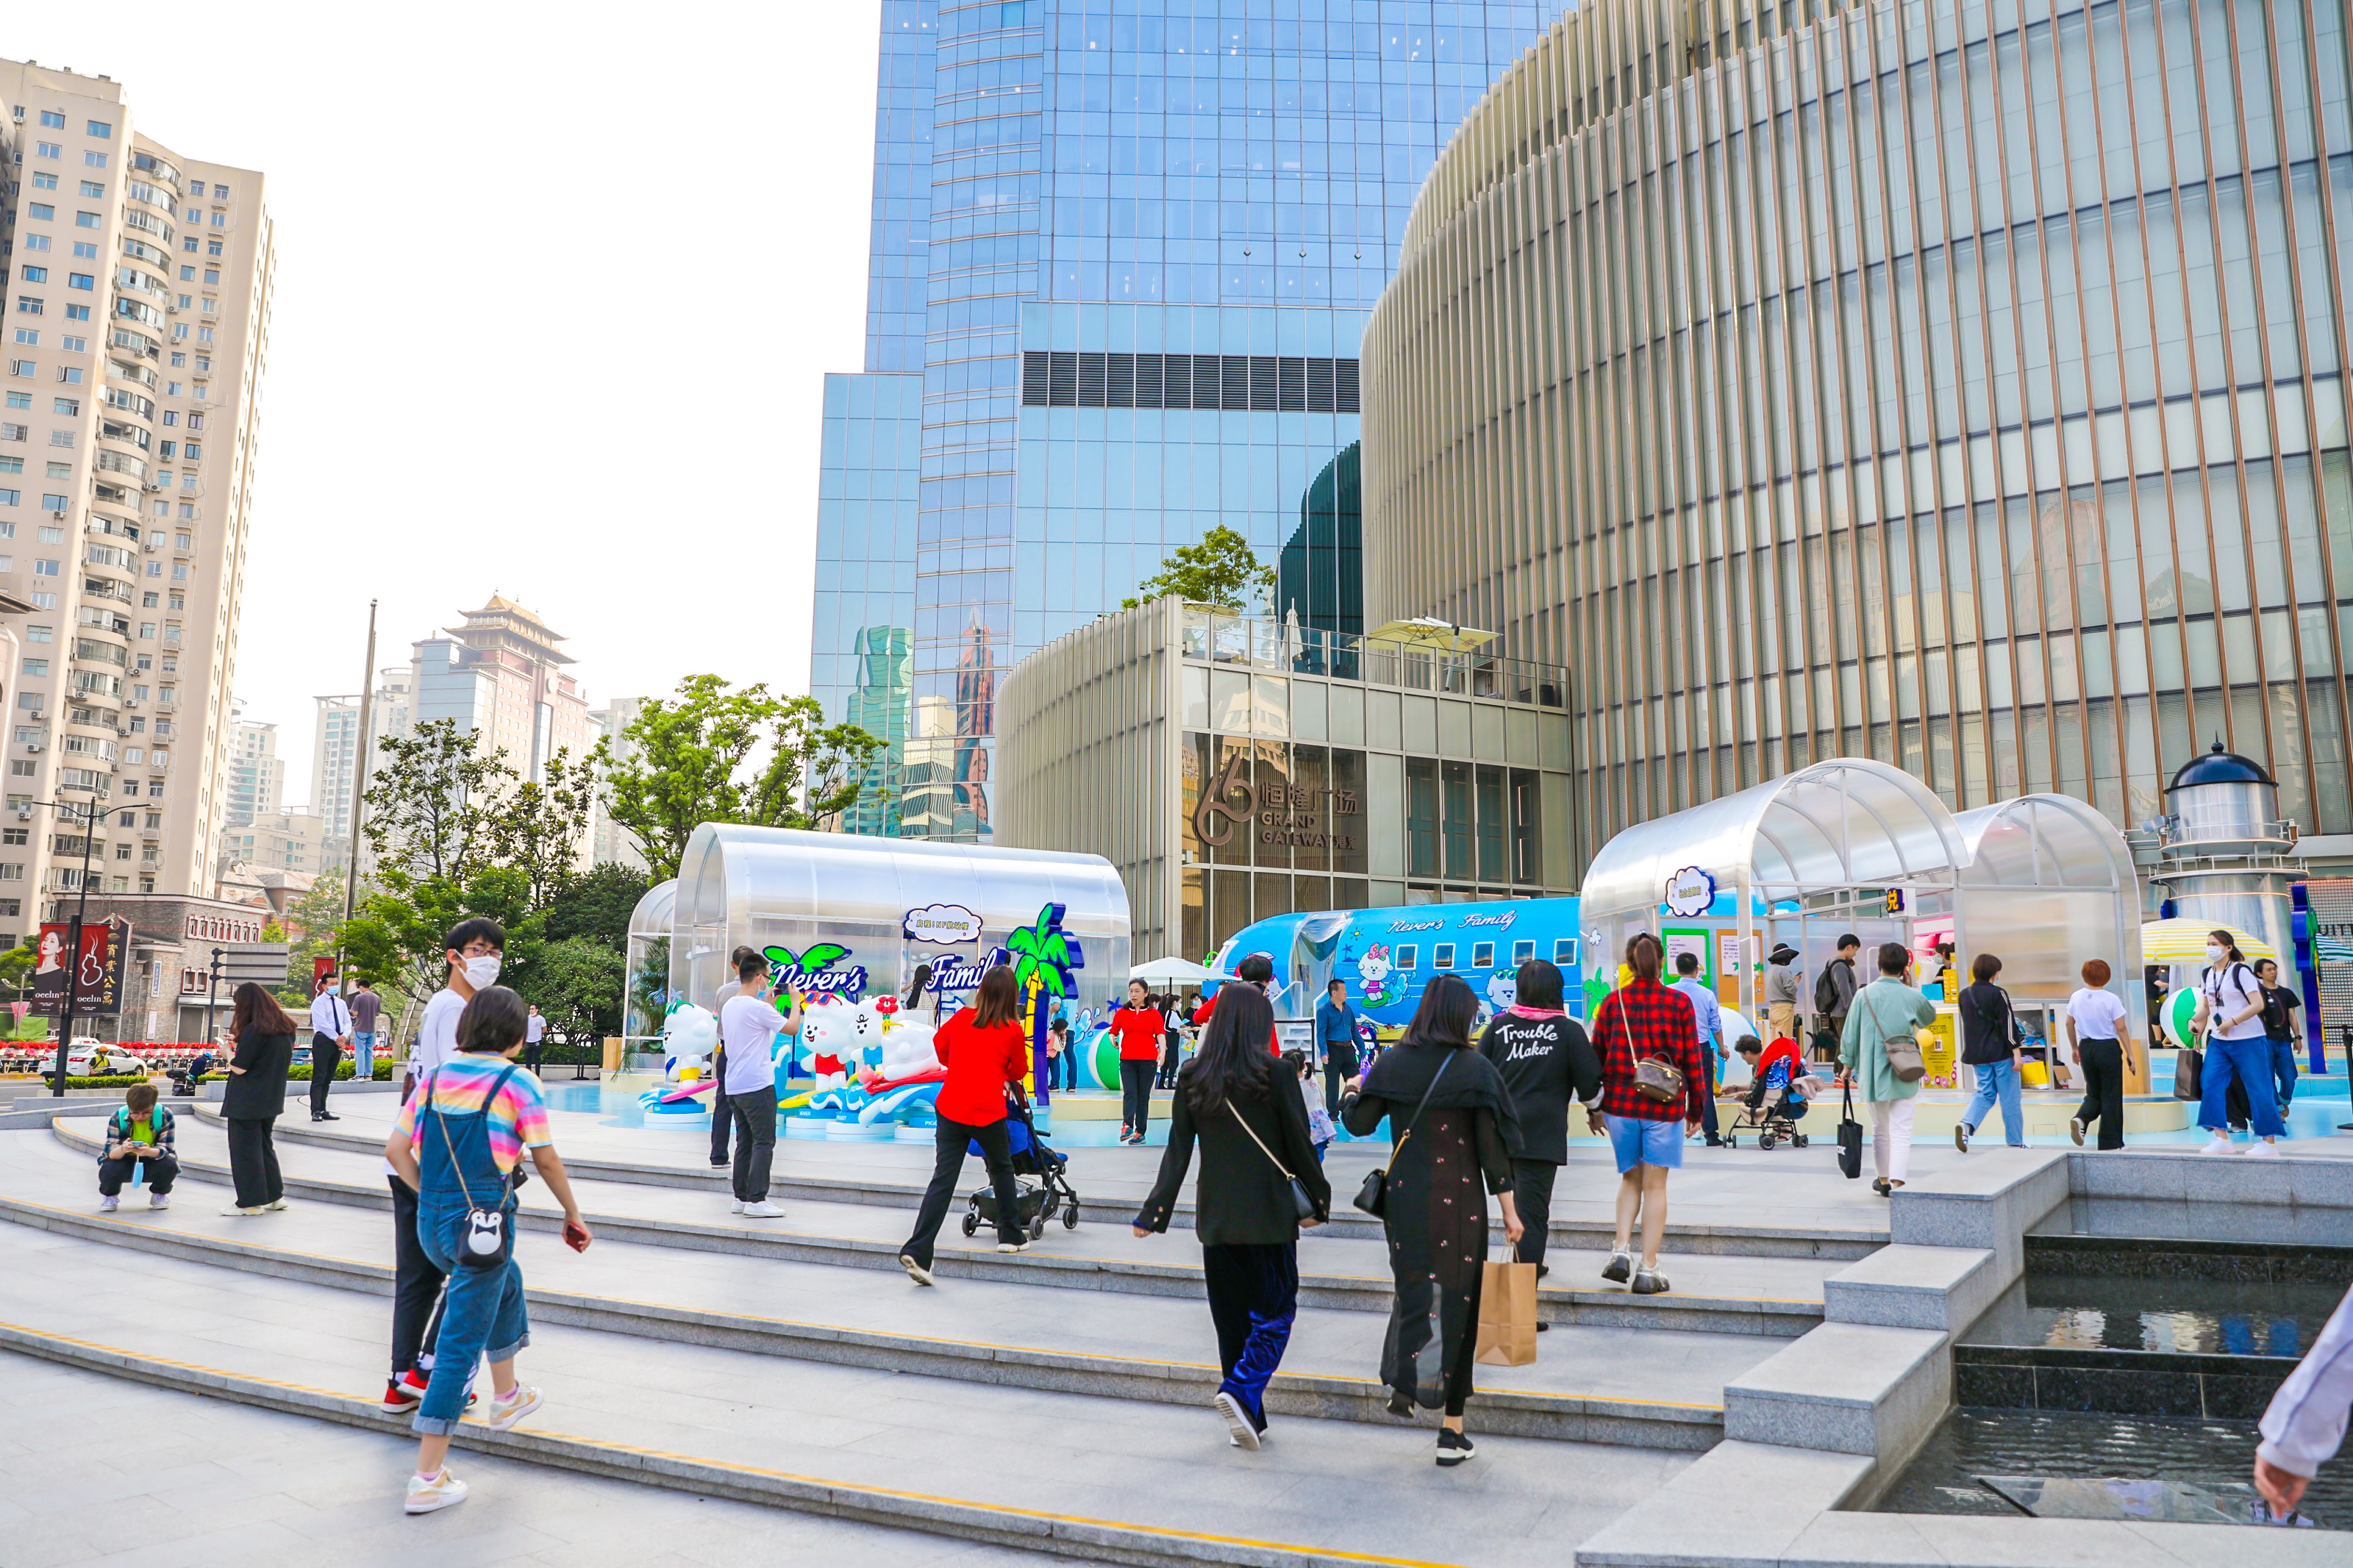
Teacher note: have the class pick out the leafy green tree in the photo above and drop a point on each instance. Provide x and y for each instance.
(310, 925)
(539, 823)
(430, 801)
(393, 940)
(577, 983)
(717, 754)
(1221, 569)
(597, 905)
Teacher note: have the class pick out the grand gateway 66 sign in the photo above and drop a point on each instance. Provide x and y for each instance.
(1302, 815)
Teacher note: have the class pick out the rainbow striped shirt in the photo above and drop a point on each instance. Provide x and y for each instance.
(518, 1118)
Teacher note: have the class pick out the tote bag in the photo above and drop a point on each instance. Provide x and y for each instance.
(1850, 1138)
(1507, 1314)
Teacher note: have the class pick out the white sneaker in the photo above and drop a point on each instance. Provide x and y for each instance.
(764, 1209)
(916, 1271)
(508, 1408)
(233, 1212)
(108, 1203)
(425, 1497)
(1238, 1430)
(1012, 1246)
(2266, 1150)
(2221, 1145)
(274, 1205)
(159, 1200)
(734, 1206)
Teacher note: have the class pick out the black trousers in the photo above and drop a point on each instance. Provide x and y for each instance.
(723, 1121)
(1532, 1194)
(1134, 1095)
(1253, 1292)
(1707, 1105)
(2104, 1089)
(325, 1057)
(161, 1172)
(415, 1283)
(253, 1162)
(1333, 1078)
(1167, 1079)
(755, 1143)
(996, 1152)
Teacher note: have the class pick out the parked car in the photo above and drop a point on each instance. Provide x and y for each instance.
(89, 1058)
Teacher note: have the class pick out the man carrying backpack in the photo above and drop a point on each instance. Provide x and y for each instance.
(1834, 990)
(2280, 1005)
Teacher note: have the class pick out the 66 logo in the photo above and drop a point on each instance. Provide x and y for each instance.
(1227, 800)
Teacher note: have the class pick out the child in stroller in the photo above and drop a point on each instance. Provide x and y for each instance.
(1038, 1171)
(1777, 1072)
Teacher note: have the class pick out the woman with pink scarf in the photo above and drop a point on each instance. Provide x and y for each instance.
(1544, 1059)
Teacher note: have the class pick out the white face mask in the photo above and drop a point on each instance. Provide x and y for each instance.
(2218, 953)
(483, 970)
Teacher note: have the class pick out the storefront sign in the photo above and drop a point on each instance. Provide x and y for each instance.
(1227, 800)
(1307, 817)
(944, 925)
(1690, 892)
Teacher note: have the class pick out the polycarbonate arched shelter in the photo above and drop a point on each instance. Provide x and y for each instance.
(777, 887)
(2050, 883)
(647, 997)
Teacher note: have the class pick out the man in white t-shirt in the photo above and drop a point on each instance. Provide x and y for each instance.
(749, 1023)
(2231, 1015)
(534, 1029)
(474, 950)
(2102, 1047)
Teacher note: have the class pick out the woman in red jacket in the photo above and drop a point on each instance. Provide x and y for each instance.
(1139, 1026)
(984, 1051)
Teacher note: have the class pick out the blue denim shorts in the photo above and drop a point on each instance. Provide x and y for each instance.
(1639, 1142)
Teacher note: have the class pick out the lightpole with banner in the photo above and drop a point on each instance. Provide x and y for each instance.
(88, 815)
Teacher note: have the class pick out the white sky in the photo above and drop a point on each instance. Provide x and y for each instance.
(558, 285)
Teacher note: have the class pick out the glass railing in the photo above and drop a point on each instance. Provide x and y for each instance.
(1285, 648)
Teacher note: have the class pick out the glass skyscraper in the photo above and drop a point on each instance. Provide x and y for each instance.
(1121, 256)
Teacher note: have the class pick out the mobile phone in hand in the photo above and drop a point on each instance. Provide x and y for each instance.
(575, 1236)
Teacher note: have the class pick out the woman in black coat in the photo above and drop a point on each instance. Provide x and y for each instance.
(1239, 1102)
(1445, 1160)
(254, 1096)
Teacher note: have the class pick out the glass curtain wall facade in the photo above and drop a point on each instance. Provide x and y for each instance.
(1150, 231)
(1958, 386)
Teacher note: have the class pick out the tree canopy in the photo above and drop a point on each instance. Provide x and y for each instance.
(1221, 569)
(718, 753)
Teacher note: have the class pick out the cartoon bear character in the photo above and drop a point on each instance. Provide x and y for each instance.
(1503, 990)
(1373, 972)
(690, 1034)
(838, 1039)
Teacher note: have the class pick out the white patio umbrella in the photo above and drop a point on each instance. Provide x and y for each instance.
(1169, 972)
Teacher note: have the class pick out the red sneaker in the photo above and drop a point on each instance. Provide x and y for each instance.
(398, 1397)
(412, 1383)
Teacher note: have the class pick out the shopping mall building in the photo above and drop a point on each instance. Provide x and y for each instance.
(1957, 385)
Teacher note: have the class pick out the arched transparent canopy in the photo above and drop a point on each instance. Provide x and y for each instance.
(2049, 883)
(648, 998)
(764, 887)
(1842, 824)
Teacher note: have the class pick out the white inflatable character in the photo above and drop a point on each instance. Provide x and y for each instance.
(906, 1046)
(1373, 973)
(839, 1039)
(689, 1036)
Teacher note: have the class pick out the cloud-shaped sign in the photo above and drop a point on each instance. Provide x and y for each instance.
(943, 925)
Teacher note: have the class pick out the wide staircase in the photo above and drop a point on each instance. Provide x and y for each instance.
(1053, 1401)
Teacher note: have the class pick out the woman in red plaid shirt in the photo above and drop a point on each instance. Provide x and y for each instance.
(1644, 1018)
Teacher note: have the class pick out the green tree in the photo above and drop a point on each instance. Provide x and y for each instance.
(716, 753)
(430, 801)
(597, 905)
(310, 925)
(1222, 570)
(577, 984)
(539, 823)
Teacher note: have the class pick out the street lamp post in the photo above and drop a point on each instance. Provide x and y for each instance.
(88, 816)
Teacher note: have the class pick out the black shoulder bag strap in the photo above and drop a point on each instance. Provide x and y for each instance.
(1373, 1197)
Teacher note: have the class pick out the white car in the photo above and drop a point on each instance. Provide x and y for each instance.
(90, 1059)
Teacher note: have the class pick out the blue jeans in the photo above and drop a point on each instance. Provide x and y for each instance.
(2249, 1062)
(1996, 1080)
(482, 1315)
(2283, 1070)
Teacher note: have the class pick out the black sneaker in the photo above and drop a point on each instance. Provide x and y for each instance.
(1400, 1405)
(1453, 1447)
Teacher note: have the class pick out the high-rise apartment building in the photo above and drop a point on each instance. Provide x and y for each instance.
(281, 841)
(1119, 267)
(335, 749)
(606, 839)
(253, 784)
(136, 322)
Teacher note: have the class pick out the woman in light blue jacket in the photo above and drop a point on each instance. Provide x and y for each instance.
(1886, 1006)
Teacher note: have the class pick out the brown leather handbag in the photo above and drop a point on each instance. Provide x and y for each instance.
(1657, 1078)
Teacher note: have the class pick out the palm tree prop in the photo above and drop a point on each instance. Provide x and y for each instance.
(1044, 955)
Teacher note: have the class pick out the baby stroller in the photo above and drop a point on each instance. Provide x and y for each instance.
(1038, 1171)
(1777, 1125)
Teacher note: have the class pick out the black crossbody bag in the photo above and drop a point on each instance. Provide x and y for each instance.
(1373, 1197)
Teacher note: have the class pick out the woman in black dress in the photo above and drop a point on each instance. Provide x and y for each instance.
(1445, 1160)
(254, 1096)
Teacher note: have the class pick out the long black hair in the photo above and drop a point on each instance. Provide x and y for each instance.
(1233, 1058)
(1444, 1019)
(1538, 983)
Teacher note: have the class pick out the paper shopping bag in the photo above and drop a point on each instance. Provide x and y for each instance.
(1507, 1314)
